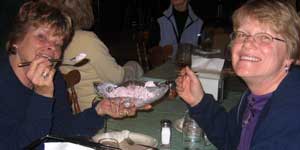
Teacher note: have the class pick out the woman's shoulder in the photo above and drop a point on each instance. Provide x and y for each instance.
(289, 87)
(83, 34)
(294, 72)
(85, 40)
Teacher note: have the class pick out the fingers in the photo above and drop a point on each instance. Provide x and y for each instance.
(130, 112)
(39, 70)
(116, 108)
(147, 107)
(179, 83)
(41, 73)
(191, 74)
(127, 107)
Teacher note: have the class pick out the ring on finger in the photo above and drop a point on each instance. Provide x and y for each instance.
(126, 113)
(45, 74)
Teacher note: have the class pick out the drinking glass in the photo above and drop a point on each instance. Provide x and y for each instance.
(193, 135)
(183, 56)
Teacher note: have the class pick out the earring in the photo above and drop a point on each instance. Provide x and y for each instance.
(286, 68)
(12, 50)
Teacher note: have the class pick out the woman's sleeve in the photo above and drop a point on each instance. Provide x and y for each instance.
(16, 133)
(217, 123)
(65, 123)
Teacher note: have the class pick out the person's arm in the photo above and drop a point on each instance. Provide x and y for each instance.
(219, 125)
(16, 133)
(26, 114)
(210, 116)
(86, 123)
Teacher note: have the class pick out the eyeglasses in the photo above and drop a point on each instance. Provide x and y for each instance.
(259, 38)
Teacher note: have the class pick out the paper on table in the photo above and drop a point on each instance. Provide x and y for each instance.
(64, 146)
(207, 64)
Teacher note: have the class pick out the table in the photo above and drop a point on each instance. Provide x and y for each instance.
(149, 122)
(212, 82)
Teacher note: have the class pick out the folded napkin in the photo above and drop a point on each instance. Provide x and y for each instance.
(65, 146)
(123, 135)
(119, 136)
(202, 64)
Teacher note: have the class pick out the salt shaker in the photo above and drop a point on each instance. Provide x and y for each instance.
(165, 134)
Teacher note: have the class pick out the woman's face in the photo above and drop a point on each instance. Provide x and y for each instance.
(255, 61)
(178, 2)
(39, 42)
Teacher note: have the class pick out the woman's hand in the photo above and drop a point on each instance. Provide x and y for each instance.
(118, 108)
(41, 73)
(189, 87)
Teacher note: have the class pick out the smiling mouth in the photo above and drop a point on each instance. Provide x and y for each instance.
(250, 58)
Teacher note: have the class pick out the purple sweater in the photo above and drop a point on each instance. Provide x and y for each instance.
(255, 104)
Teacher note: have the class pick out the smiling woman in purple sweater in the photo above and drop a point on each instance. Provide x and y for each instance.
(265, 44)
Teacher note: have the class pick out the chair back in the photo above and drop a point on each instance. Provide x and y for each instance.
(159, 55)
(141, 38)
(72, 78)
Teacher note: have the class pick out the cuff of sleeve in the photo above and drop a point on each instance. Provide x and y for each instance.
(92, 121)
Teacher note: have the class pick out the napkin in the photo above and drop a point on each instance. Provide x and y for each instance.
(119, 136)
(65, 146)
(202, 64)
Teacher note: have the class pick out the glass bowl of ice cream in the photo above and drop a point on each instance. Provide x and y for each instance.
(140, 92)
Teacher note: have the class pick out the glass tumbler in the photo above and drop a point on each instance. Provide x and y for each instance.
(184, 55)
(193, 135)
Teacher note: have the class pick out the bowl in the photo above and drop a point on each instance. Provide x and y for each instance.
(138, 92)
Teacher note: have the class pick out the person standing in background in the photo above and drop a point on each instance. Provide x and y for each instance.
(179, 24)
(101, 66)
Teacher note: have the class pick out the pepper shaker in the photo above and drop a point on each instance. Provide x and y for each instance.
(165, 134)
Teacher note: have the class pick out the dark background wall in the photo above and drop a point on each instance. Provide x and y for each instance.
(8, 9)
(118, 20)
(118, 15)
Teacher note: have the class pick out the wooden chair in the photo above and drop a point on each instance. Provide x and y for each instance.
(141, 48)
(159, 55)
(72, 78)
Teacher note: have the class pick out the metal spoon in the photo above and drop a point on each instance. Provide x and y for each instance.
(68, 62)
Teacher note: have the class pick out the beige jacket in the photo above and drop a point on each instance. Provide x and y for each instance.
(102, 67)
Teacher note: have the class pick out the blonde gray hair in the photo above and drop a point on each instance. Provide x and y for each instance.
(36, 14)
(279, 15)
(81, 12)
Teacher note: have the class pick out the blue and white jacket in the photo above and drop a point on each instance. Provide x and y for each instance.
(168, 30)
